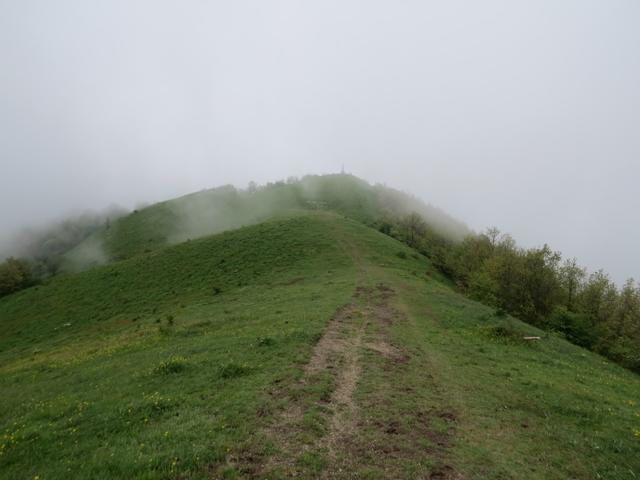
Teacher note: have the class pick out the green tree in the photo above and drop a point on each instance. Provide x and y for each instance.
(468, 258)
(598, 298)
(571, 277)
(14, 275)
(541, 281)
(413, 228)
(622, 340)
(626, 318)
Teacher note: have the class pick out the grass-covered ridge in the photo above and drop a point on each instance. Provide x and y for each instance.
(189, 362)
(157, 364)
(140, 288)
(535, 284)
(219, 209)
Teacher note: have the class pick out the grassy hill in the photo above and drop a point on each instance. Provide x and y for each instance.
(306, 345)
(225, 208)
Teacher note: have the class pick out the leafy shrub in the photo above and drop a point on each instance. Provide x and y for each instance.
(574, 326)
(504, 332)
(15, 275)
(627, 354)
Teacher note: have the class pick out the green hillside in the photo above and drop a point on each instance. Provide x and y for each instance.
(224, 208)
(305, 345)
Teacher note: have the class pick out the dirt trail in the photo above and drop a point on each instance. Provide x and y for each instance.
(332, 341)
(343, 408)
(337, 356)
(324, 430)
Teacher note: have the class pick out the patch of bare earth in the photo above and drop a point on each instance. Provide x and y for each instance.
(332, 342)
(334, 364)
(343, 408)
(372, 432)
(399, 434)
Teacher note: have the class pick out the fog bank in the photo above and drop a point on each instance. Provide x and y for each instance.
(516, 114)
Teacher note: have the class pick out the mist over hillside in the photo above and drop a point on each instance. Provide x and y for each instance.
(534, 284)
(46, 246)
(226, 207)
(92, 239)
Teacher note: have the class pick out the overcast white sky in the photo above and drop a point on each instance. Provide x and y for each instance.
(519, 114)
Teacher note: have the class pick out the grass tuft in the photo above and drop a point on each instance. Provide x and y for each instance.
(174, 364)
(266, 341)
(233, 370)
(505, 332)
